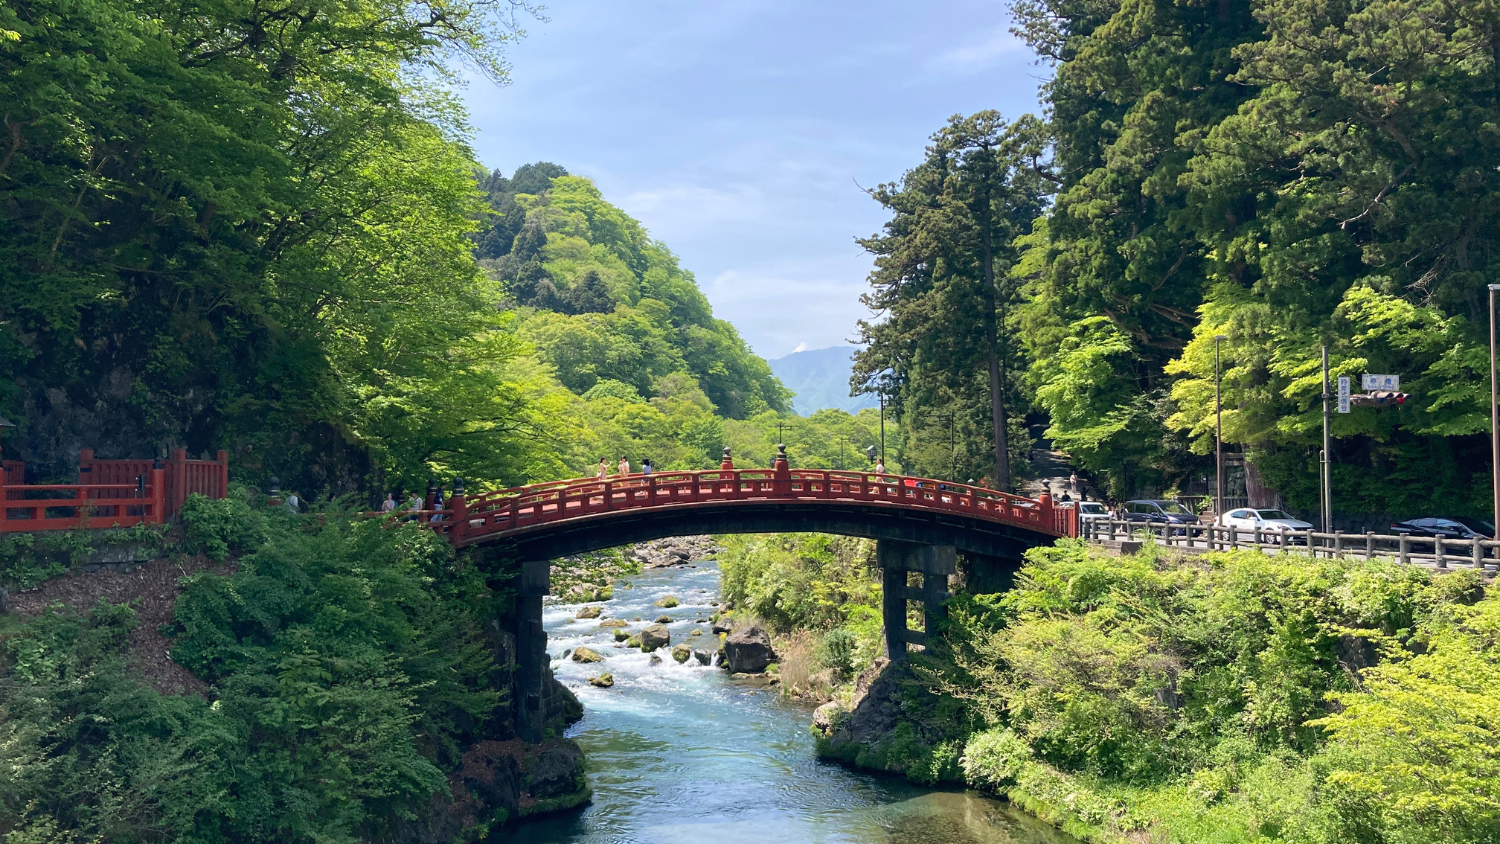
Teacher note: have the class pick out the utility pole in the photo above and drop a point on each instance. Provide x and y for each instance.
(1218, 435)
(882, 426)
(1494, 413)
(1327, 486)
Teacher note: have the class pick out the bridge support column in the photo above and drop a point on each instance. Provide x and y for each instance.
(934, 563)
(531, 649)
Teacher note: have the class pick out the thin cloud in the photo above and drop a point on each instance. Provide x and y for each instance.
(997, 45)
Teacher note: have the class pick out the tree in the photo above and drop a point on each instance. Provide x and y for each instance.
(942, 268)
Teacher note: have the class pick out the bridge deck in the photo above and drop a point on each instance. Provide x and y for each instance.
(496, 515)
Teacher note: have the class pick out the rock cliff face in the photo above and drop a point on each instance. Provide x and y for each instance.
(888, 727)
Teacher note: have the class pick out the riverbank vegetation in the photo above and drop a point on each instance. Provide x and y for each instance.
(1227, 698)
(341, 669)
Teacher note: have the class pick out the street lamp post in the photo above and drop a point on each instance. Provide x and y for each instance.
(881, 393)
(1494, 414)
(1218, 434)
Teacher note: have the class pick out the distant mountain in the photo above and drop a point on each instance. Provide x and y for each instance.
(820, 378)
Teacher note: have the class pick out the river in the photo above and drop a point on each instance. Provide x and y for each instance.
(681, 753)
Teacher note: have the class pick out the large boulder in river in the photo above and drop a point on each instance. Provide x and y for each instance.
(588, 612)
(655, 636)
(603, 681)
(582, 654)
(614, 622)
(668, 602)
(703, 657)
(749, 651)
(682, 653)
(825, 715)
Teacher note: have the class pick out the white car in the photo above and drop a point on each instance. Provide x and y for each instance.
(1248, 519)
(1092, 511)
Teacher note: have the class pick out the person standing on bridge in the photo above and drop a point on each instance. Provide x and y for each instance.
(390, 503)
(624, 467)
(880, 466)
(603, 469)
(645, 466)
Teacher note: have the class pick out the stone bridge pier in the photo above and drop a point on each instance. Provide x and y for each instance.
(897, 561)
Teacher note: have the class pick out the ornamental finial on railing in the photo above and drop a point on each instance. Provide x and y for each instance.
(728, 462)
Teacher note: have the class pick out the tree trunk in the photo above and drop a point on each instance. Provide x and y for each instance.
(997, 390)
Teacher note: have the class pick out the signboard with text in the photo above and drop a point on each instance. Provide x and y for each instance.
(1380, 382)
(1343, 394)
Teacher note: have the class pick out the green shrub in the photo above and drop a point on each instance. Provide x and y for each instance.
(836, 650)
(993, 759)
(214, 527)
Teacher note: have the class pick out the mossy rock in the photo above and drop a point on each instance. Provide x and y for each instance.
(603, 681)
(696, 632)
(664, 619)
(667, 602)
(633, 642)
(682, 653)
(604, 594)
(622, 635)
(614, 622)
(655, 636)
(588, 612)
(582, 654)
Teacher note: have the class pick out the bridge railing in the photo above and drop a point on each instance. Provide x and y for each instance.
(1431, 551)
(509, 510)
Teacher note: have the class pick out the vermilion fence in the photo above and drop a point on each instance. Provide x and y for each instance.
(472, 519)
(109, 493)
(72, 506)
(209, 478)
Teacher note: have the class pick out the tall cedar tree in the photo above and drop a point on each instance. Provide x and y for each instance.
(942, 266)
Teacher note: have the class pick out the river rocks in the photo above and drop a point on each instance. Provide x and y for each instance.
(664, 619)
(825, 715)
(696, 632)
(675, 551)
(682, 653)
(633, 641)
(655, 636)
(703, 657)
(583, 654)
(588, 612)
(622, 635)
(603, 681)
(749, 651)
(614, 622)
(723, 625)
(667, 602)
(656, 659)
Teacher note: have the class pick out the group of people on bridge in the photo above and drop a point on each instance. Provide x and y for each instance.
(623, 466)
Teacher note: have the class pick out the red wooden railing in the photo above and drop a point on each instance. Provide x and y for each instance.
(470, 519)
(209, 478)
(75, 506)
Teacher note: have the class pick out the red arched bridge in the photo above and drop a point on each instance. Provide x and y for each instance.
(550, 520)
(919, 525)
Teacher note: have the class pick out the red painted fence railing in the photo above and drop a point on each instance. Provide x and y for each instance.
(470, 519)
(83, 506)
(209, 478)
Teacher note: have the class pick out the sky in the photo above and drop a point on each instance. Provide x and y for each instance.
(743, 133)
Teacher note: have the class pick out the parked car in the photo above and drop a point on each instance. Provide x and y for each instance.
(1457, 527)
(1269, 521)
(1158, 511)
(1092, 511)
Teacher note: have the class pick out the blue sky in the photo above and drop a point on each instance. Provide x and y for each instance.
(740, 132)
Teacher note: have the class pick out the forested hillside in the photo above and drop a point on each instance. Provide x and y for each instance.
(1282, 174)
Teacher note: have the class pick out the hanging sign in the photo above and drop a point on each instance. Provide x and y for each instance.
(1380, 382)
(1343, 394)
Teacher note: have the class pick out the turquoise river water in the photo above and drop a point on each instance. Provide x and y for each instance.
(682, 753)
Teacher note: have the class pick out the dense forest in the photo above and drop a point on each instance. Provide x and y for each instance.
(1279, 173)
